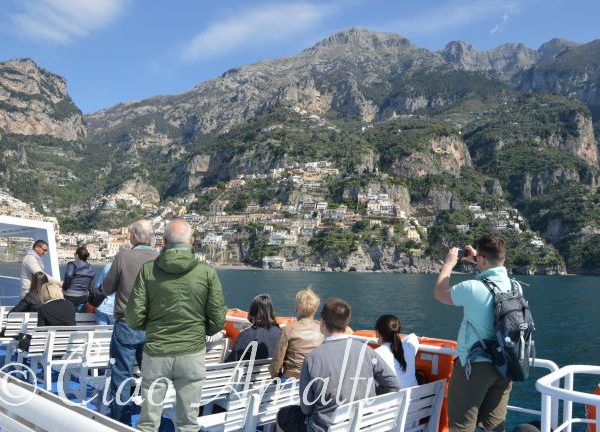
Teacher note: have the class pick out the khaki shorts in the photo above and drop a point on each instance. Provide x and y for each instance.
(479, 401)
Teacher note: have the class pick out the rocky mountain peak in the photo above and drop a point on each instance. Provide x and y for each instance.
(35, 102)
(553, 47)
(364, 38)
(461, 53)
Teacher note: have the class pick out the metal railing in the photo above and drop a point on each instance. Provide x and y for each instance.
(553, 393)
(549, 365)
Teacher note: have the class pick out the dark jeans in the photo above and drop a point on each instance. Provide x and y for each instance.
(126, 346)
(292, 419)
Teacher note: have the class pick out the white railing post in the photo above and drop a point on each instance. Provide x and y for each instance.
(567, 404)
(546, 417)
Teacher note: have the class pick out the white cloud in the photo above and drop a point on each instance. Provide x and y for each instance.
(512, 10)
(455, 14)
(62, 21)
(254, 27)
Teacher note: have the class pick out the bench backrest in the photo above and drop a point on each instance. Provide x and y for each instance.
(19, 322)
(56, 341)
(425, 407)
(415, 409)
(216, 351)
(251, 408)
(4, 310)
(97, 350)
(224, 379)
(268, 400)
(84, 318)
(23, 322)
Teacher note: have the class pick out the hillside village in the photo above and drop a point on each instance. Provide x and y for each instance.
(283, 229)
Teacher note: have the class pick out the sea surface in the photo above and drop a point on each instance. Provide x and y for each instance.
(566, 309)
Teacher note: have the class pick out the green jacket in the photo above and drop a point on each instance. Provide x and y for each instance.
(177, 301)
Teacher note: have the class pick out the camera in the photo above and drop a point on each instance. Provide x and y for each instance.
(461, 253)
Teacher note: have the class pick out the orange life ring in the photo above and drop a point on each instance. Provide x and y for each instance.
(590, 411)
(433, 366)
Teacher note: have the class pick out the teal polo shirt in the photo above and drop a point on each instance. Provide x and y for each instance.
(478, 304)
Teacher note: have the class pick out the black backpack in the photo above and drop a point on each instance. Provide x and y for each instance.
(514, 327)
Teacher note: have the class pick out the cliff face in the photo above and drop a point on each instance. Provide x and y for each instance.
(504, 61)
(443, 155)
(35, 102)
(574, 72)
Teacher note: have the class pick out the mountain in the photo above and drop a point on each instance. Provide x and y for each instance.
(434, 131)
(574, 72)
(34, 101)
(505, 61)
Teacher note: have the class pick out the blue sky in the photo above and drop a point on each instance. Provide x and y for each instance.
(112, 51)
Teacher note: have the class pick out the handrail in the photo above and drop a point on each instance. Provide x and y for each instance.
(548, 386)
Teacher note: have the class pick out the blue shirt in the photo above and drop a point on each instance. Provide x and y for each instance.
(478, 304)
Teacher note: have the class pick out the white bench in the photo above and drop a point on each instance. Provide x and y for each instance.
(220, 377)
(412, 409)
(26, 322)
(82, 347)
(15, 323)
(4, 310)
(225, 379)
(251, 408)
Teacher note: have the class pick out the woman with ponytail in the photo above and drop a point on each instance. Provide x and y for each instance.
(399, 354)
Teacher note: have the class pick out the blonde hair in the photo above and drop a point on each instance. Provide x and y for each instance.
(50, 291)
(307, 303)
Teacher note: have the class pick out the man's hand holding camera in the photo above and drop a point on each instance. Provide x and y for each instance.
(466, 255)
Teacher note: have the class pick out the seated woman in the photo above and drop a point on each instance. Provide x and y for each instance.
(31, 302)
(298, 339)
(399, 354)
(55, 310)
(79, 277)
(263, 330)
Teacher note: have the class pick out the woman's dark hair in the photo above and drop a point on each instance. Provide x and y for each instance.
(389, 328)
(37, 280)
(260, 313)
(82, 253)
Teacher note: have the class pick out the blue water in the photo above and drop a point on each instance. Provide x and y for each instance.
(565, 309)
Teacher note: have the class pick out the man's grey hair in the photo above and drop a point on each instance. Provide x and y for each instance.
(142, 231)
(178, 231)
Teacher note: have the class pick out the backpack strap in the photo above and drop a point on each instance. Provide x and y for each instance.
(491, 286)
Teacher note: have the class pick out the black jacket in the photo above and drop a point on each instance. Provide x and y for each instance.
(59, 312)
(266, 339)
(79, 277)
(30, 303)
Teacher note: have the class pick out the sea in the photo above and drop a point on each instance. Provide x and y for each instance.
(566, 310)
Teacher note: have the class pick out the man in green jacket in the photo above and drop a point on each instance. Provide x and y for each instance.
(178, 301)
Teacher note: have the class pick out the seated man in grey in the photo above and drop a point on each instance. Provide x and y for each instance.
(325, 383)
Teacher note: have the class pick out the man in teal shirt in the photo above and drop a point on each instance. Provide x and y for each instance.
(477, 394)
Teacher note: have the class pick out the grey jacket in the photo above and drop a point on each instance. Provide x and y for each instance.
(334, 385)
(122, 274)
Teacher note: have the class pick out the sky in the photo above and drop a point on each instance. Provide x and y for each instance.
(113, 51)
